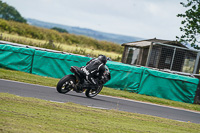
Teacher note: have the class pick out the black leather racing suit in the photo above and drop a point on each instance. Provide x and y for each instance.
(94, 70)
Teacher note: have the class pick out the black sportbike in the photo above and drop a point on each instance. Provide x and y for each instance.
(77, 82)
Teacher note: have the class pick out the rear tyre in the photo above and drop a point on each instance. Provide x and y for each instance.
(64, 85)
(93, 92)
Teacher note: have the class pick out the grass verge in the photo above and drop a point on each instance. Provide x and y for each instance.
(35, 79)
(31, 115)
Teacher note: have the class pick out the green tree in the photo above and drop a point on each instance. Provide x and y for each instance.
(191, 23)
(59, 30)
(10, 13)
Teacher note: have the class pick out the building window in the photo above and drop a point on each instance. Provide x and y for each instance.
(132, 56)
(188, 65)
(168, 60)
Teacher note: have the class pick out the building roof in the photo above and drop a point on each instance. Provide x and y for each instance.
(147, 43)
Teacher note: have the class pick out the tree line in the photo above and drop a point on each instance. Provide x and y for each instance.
(10, 13)
(190, 23)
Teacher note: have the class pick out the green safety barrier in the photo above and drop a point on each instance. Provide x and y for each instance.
(169, 86)
(16, 58)
(55, 65)
(124, 77)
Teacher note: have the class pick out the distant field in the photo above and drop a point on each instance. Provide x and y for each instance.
(75, 48)
(52, 39)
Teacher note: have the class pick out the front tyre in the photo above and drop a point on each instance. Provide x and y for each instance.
(93, 92)
(65, 84)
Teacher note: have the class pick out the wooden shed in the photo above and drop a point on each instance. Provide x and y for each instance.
(161, 54)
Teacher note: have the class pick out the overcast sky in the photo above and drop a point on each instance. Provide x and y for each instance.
(140, 18)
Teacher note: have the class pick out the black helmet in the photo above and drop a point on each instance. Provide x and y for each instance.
(103, 59)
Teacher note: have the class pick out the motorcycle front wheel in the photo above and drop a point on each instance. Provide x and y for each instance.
(93, 92)
(65, 84)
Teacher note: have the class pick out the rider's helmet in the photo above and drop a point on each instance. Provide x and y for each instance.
(103, 59)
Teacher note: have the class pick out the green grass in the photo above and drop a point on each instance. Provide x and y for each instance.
(35, 79)
(28, 78)
(30, 115)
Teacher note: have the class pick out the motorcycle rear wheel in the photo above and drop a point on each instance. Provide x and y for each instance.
(64, 85)
(92, 93)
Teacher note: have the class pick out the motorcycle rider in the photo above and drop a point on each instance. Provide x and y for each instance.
(94, 70)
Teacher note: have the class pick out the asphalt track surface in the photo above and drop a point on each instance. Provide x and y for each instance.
(100, 101)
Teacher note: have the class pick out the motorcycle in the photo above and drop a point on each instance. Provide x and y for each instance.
(77, 82)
